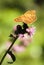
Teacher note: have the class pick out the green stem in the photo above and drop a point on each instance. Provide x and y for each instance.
(7, 51)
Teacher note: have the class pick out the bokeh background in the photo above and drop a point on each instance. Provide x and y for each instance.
(9, 10)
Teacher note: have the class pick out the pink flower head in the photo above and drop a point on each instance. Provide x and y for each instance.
(31, 31)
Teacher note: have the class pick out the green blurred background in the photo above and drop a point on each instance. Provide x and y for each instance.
(9, 10)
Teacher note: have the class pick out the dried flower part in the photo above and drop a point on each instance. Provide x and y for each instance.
(8, 56)
(28, 17)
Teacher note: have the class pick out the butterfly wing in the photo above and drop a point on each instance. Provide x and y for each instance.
(28, 17)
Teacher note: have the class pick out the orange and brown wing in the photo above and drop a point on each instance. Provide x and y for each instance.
(28, 17)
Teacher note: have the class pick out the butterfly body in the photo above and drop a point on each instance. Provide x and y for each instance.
(28, 17)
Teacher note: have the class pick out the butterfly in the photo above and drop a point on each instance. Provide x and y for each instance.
(28, 17)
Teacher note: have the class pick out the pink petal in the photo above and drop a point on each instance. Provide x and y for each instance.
(18, 48)
(26, 40)
(15, 28)
(31, 31)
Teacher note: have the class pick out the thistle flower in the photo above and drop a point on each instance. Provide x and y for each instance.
(25, 39)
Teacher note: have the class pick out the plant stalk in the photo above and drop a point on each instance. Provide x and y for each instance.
(8, 50)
